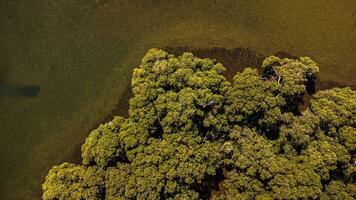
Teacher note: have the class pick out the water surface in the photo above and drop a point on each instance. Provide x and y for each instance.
(65, 64)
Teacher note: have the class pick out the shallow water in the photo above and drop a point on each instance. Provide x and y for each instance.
(75, 58)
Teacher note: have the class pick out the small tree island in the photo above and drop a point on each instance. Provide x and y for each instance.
(192, 134)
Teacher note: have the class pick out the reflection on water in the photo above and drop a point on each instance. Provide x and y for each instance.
(77, 57)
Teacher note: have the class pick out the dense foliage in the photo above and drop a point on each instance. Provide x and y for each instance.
(191, 134)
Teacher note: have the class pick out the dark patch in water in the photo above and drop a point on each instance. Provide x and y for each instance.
(19, 90)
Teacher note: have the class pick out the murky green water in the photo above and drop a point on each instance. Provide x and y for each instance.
(64, 64)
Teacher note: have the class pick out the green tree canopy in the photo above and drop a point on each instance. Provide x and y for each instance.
(191, 134)
(103, 146)
(72, 182)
